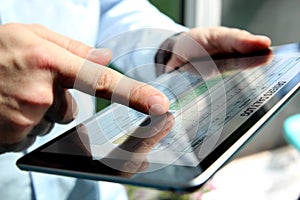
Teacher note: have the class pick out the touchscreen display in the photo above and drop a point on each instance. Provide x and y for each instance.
(204, 112)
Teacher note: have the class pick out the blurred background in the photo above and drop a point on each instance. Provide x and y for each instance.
(280, 21)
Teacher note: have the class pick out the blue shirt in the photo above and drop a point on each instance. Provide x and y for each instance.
(96, 23)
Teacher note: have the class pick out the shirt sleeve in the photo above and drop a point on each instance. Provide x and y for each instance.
(118, 16)
(134, 30)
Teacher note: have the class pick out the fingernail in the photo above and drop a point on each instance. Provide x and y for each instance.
(102, 51)
(262, 37)
(157, 104)
(100, 56)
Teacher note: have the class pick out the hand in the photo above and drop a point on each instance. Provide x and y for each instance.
(212, 41)
(37, 66)
(228, 40)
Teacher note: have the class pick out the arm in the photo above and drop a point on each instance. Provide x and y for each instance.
(119, 16)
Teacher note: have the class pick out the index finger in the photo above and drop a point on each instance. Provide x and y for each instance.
(72, 71)
(104, 82)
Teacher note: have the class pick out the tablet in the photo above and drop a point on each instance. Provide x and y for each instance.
(212, 115)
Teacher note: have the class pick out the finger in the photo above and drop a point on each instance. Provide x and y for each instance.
(228, 40)
(205, 42)
(94, 79)
(121, 89)
(185, 48)
(74, 46)
(100, 56)
(64, 108)
(140, 96)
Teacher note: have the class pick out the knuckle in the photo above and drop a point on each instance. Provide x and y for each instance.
(139, 94)
(136, 93)
(23, 124)
(104, 83)
(36, 96)
(38, 57)
(42, 98)
(141, 90)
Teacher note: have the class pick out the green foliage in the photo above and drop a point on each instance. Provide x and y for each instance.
(172, 8)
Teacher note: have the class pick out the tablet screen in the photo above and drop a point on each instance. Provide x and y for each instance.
(212, 114)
